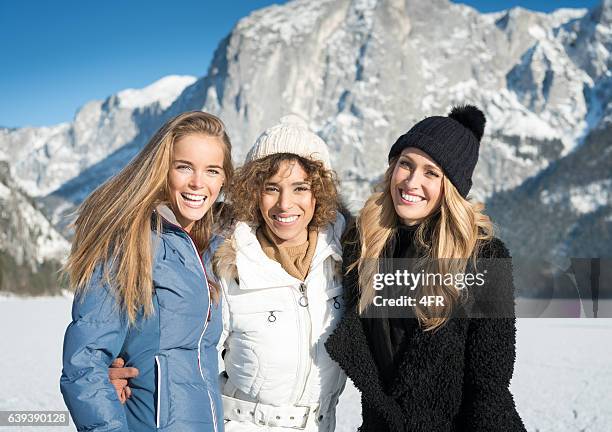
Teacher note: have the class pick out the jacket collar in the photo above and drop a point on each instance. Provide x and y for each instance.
(257, 271)
(168, 216)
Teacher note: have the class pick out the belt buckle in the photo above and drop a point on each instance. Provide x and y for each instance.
(261, 414)
(306, 416)
(310, 409)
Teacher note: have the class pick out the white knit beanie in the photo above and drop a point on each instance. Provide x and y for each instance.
(291, 135)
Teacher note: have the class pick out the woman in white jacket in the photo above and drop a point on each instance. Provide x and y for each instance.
(280, 276)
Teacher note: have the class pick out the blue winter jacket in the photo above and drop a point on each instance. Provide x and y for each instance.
(174, 349)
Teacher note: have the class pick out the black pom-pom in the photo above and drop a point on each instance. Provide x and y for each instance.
(470, 117)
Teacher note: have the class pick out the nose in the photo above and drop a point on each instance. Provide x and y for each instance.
(284, 201)
(413, 180)
(196, 181)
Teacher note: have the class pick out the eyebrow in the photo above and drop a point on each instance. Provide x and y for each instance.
(292, 184)
(186, 162)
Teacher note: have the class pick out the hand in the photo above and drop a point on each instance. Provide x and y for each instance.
(119, 375)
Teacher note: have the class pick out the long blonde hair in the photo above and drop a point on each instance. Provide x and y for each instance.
(449, 238)
(113, 228)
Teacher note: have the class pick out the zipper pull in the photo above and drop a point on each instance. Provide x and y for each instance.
(303, 301)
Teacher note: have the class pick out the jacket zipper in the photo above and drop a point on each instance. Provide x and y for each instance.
(305, 329)
(158, 391)
(306, 337)
(212, 403)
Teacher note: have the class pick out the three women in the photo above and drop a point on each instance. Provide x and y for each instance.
(437, 368)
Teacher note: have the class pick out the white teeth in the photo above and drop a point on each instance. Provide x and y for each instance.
(411, 198)
(192, 197)
(286, 219)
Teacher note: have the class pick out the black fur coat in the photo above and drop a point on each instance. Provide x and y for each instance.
(454, 379)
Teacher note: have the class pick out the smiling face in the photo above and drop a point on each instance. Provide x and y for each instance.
(415, 186)
(195, 177)
(287, 204)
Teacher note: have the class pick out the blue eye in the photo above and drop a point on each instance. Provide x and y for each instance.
(183, 167)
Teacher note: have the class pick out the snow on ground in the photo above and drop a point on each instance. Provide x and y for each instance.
(562, 381)
(563, 375)
(31, 355)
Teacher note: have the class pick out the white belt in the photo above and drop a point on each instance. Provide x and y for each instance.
(288, 416)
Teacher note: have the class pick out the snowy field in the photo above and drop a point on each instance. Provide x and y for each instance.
(562, 381)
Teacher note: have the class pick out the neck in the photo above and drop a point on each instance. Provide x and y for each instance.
(410, 222)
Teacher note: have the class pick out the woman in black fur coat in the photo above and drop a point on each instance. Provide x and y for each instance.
(430, 368)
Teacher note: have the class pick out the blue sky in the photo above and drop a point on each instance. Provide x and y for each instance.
(57, 55)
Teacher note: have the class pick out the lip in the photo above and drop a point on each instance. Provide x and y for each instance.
(191, 204)
(410, 203)
(284, 224)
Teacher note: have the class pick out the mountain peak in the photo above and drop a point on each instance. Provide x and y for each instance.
(164, 91)
(603, 12)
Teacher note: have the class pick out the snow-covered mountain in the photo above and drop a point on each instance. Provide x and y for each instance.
(363, 72)
(37, 161)
(565, 211)
(31, 250)
(43, 159)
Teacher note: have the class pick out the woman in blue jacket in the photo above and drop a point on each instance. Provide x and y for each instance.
(142, 292)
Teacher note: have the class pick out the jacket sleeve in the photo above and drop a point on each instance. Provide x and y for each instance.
(490, 350)
(93, 339)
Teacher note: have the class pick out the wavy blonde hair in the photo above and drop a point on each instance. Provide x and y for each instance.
(449, 238)
(113, 228)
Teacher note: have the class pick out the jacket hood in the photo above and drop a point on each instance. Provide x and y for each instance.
(243, 251)
(166, 213)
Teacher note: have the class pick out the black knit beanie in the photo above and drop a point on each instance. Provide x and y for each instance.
(452, 142)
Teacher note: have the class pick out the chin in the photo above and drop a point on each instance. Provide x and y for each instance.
(403, 214)
(284, 235)
(193, 217)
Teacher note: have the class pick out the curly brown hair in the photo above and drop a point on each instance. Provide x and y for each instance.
(249, 180)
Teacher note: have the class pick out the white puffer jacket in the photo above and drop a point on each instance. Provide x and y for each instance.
(279, 374)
